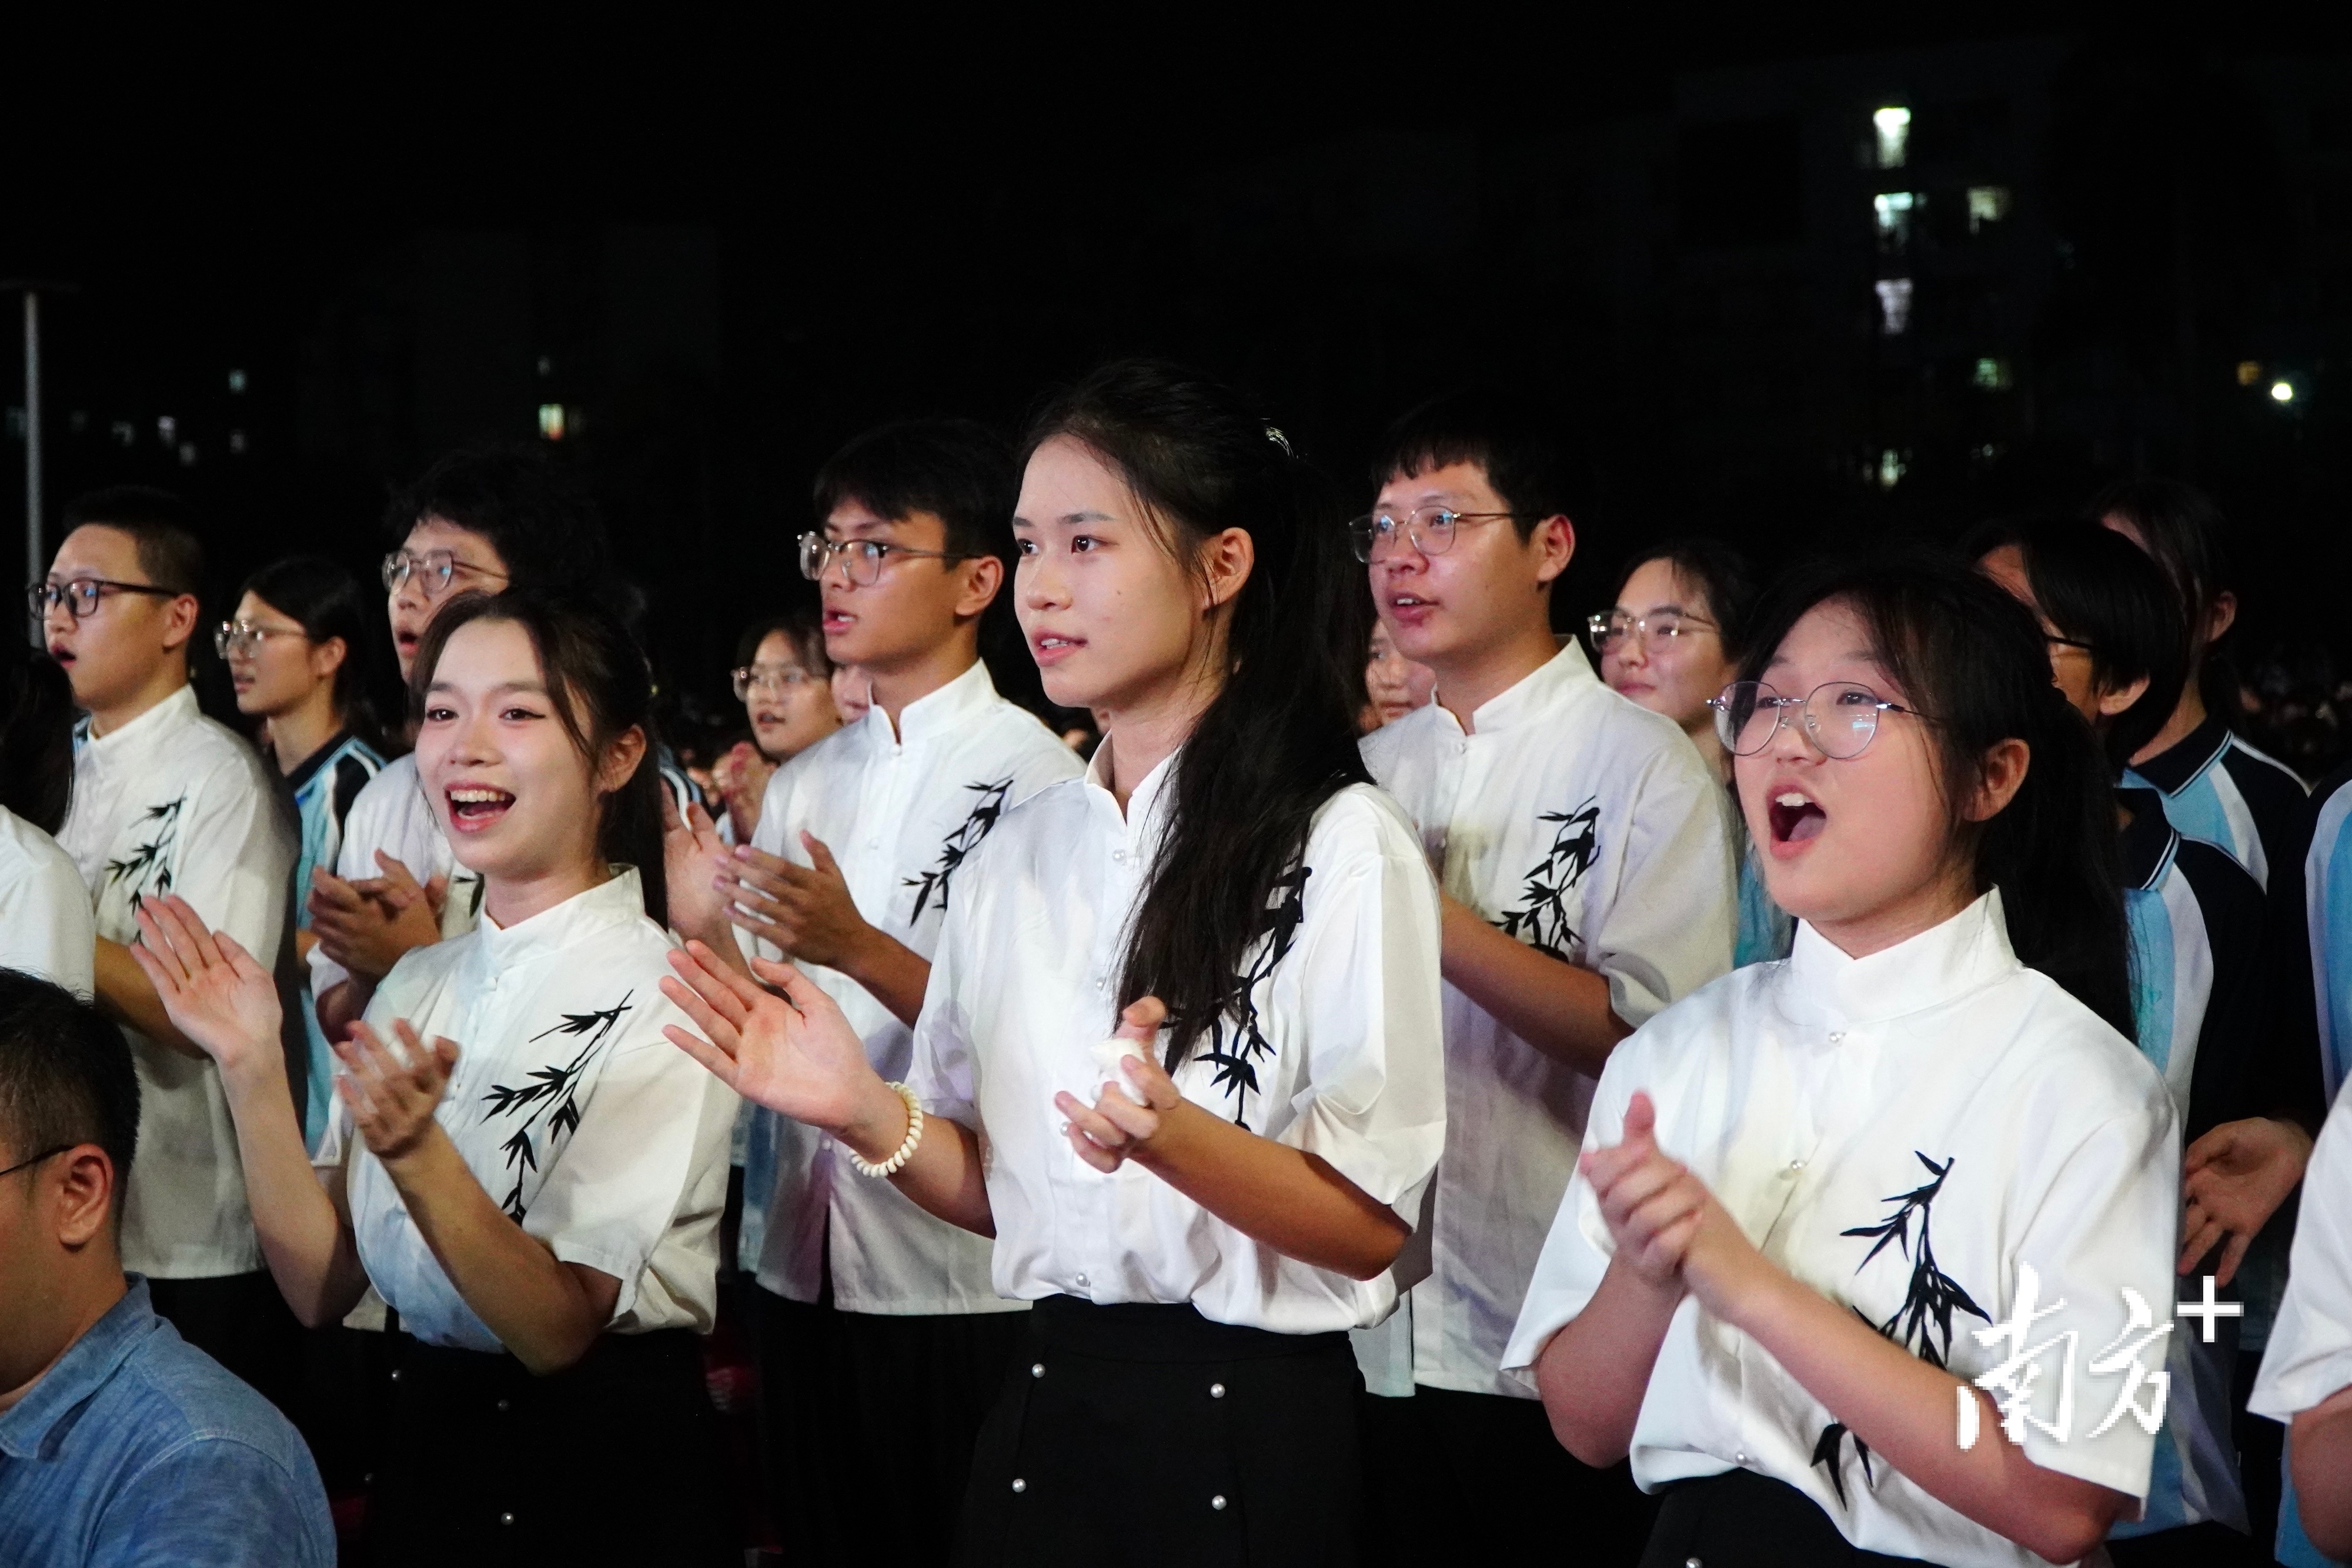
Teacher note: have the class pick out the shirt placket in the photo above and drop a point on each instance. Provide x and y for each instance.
(1122, 874)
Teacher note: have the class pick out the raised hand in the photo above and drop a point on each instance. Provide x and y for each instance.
(1127, 1112)
(694, 860)
(805, 910)
(1667, 1226)
(210, 987)
(367, 925)
(2234, 1178)
(793, 1053)
(393, 1093)
(741, 777)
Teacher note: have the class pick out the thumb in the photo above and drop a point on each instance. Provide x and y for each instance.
(1640, 1118)
(819, 856)
(239, 960)
(1141, 1018)
(697, 821)
(671, 821)
(394, 871)
(797, 988)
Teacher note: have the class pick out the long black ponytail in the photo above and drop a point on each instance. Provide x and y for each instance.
(1972, 659)
(601, 688)
(1280, 737)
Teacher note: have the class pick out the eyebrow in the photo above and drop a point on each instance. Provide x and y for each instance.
(1067, 519)
(536, 688)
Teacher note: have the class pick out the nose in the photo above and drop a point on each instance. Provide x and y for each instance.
(1040, 582)
(409, 594)
(1633, 650)
(54, 619)
(1790, 743)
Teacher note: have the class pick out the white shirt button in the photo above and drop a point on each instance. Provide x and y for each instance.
(1216, 1391)
(1020, 1485)
(1741, 1457)
(1037, 1369)
(1796, 1165)
(1119, 855)
(504, 1406)
(506, 1519)
(1837, 1037)
(1218, 1503)
(1082, 1280)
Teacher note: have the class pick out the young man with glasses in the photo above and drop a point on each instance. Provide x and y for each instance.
(1587, 881)
(882, 1336)
(118, 1442)
(166, 800)
(482, 519)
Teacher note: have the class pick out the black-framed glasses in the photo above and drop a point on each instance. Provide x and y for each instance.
(862, 559)
(80, 596)
(780, 680)
(1431, 530)
(243, 639)
(1610, 629)
(1838, 717)
(434, 572)
(2075, 642)
(37, 1159)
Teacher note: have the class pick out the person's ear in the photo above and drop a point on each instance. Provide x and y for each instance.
(2221, 615)
(82, 1190)
(1225, 564)
(621, 759)
(2113, 700)
(179, 620)
(1554, 540)
(982, 576)
(1999, 778)
(327, 657)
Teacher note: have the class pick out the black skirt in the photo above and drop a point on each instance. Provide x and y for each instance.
(1742, 1520)
(613, 1461)
(1146, 1435)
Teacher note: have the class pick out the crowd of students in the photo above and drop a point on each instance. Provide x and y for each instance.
(1412, 1088)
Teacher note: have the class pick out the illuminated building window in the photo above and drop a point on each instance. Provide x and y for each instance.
(1894, 306)
(1894, 128)
(236, 441)
(550, 421)
(1987, 205)
(167, 430)
(125, 432)
(1893, 209)
(236, 381)
(187, 454)
(1890, 469)
(1992, 375)
(2282, 392)
(2249, 372)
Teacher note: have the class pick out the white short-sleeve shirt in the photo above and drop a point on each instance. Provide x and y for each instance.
(1338, 1050)
(1902, 1131)
(391, 814)
(569, 1105)
(45, 914)
(1587, 827)
(2309, 1357)
(172, 802)
(901, 812)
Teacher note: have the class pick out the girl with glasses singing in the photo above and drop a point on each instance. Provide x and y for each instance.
(1203, 1204)
(1842, 1220)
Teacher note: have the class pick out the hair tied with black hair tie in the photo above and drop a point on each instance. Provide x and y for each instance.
(1275, 434)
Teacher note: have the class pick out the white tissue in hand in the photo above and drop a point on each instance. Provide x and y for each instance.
(1107, 1056)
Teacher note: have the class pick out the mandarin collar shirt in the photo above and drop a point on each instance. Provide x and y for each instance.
(1335, 1048)
(46, 924)
(172, 802)
(1589, 828)
(902, 811)
(569, 1105)
(1905, 1134)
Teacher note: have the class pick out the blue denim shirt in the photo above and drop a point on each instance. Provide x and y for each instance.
(137, 1448)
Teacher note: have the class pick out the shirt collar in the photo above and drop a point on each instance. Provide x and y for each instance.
(1942, 963)
(935, 712)
(1536, 695)
(149, 728)
(80, 1371)
(1143, 814)
(2149, 841)
(316, 759)
(2171, 769)
(614, 902)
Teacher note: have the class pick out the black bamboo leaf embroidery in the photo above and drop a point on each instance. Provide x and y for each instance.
(959, 844)
(1923, 1323)
(550, 1095)
(1236, 1042)
(148, 867)
(1541, 921)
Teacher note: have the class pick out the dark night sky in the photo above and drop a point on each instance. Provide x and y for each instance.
(917, 217)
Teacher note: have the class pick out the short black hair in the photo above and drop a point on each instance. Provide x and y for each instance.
(161, 526)
(37, 724)
(66, 1077)
(531, 510)
(1505, 435)
(2182, 527)
(800, 627)
(2097, 587)
(1720, 570)
(958, 470)
(328, 602)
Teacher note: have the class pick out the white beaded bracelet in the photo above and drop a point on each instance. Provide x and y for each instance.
(906, 1149)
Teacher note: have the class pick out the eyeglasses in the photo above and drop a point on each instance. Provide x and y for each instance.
(1609, 630)
(1431, 529)
(243, 639)
(80, 596)
(37, 1159)
(435, 571)
(1839, 718)
(782, 680)
(861, 559)
(2076, 644)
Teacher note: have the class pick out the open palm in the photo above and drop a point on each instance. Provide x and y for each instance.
(212, 990)
(794, 1053)
(693, 855)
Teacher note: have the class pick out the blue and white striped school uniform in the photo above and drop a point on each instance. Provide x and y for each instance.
(324, 787)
